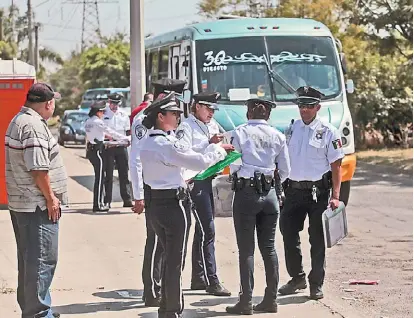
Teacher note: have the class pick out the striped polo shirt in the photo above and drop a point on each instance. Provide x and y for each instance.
(31, 146)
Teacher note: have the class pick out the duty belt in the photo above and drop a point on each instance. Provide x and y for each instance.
(306, 185)
(262, 183)
(179, 194)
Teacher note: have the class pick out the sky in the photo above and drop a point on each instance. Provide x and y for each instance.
(62, 19)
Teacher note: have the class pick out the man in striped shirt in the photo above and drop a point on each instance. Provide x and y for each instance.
(36, 187)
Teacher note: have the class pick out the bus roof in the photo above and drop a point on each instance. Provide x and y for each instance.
(241, 27)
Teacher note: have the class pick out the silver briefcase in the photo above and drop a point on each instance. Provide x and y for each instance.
(335, 225)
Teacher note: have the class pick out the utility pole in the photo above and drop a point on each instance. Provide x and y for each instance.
(1, 25)
(29, 29)
(137, 58)
(13, 26)
(36, 50)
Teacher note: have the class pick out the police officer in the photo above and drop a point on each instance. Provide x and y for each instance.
(316, 153)
(153, 253)
(194, 132)
(255, 205)
(119, 122)
(167, 203)
(96, 131)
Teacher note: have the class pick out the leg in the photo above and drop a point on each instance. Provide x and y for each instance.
(317, 241)
(96, 159)
(109, 173)
(40, 264)
(266, 229)
(121, 157)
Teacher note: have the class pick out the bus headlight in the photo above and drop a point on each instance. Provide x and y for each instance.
(344, 141)
(346, 131)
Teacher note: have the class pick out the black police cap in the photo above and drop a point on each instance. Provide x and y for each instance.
(258, 101)
(207, 98)
(96, 107)
(115, 97)
(168, 103)
(168, 85)
(308, 96)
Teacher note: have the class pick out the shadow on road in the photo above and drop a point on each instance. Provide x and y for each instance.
(120, 294)
(89, 308)
(88, 211)
(199, 313)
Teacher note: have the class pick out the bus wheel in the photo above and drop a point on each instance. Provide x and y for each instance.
(345, 190)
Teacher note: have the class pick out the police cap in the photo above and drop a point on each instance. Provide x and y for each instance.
(252, 102)
(168, 103)
(116, 98)
(96, 107)
(308, 96)
(168, 85)
(207, 98)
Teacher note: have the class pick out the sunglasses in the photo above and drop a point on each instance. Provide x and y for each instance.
(302, 106)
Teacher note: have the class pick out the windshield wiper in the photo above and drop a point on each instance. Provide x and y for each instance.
(275, 76)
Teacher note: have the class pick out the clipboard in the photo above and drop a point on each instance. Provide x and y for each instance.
(335, 225)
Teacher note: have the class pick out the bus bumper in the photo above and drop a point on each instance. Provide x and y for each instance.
(348, 167)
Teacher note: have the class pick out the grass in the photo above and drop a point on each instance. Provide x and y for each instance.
(53, 121)
(402, 159)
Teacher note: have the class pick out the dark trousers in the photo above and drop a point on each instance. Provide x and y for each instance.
(152, 266)
(37, 253)
(171, 220)
(251, 212)
(298, 204)
(97, 159)
(203, 253)
(120, 156)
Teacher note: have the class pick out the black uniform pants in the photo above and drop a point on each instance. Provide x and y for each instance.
(120, 156)
(251, 212)
(97, 159)
(203, 252)
(171, 220)
(298, 204)
(152, 266)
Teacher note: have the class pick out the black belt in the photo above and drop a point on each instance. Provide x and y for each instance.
(306, 185)
(179, 194)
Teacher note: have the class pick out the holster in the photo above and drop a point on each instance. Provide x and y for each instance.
(267, 182)
(257, 179)
(327, 180)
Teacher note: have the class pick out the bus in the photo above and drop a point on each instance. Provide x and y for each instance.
(269, 58)
(91, 95)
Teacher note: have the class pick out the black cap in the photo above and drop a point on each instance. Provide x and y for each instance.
(41, 92)
(258, 101)
(168, 103)
(96, 107)
(207, 98)
(308, 96)
(116, 97)
(168, 85)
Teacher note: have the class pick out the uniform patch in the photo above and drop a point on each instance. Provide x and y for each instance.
(179, 134)
(179, 145)
(140, 131)
(319, 134)
(337, 144)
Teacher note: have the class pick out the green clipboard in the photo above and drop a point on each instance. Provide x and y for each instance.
(230, 158)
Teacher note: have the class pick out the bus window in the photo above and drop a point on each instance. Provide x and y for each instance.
(154, 66)
(147, 69)
(163, 64)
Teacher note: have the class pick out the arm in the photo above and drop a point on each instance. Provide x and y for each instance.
(234, 140)
(187, 138)
(127, 126)
(112, 133)
(283, 161)
(334, 156)
(336, 178)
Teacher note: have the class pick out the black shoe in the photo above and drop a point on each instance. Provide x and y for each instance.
(266, 306)
(153, 302)
(56, 315)
(128, 204)
(217, 290)
(293, 285)
(316, 292)
(239, 309)
(198, 286)
(102, 208)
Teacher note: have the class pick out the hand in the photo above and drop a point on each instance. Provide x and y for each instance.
(216, 139)
(138, 206)
(53, 209)
(334, 203)
(228, 147)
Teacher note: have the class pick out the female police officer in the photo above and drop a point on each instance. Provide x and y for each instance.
(255, 204)
(96, 131)
(194, 132)
(166, 199)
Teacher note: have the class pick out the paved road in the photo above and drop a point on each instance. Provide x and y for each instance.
(101, 256)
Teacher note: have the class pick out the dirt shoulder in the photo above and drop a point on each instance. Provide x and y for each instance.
(398, 159)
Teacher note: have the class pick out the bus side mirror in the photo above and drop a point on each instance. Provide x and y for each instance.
(187, 96)
(350, 88)
(343, 63)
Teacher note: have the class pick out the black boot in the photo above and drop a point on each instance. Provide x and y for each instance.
(316, 292)
(240, 309)
(198, 286)
(128, 204)
(153, 302)
(217, 290)
(266, 306)
(101, 208)
(293, 285)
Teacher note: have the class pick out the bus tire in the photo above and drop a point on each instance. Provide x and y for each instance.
(345, 191)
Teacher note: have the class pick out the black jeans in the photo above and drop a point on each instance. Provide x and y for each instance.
(171, 220)
(97, 160)
(37, 254)
(251, 212)
(298, 204)
(120, 156)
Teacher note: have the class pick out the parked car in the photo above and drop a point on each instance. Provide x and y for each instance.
(72, 128)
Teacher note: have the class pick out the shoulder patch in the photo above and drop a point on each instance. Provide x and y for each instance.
(179, 134)
(140, 131)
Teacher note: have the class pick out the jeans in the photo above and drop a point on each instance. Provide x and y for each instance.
(37, 252)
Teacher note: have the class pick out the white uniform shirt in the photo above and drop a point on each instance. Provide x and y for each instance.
(261, 146)
(312, 148)
(96, 129)
(138, 133)
(164, 160)
(117, 121)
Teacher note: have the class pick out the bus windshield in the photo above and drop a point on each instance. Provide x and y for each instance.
(237, 66)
